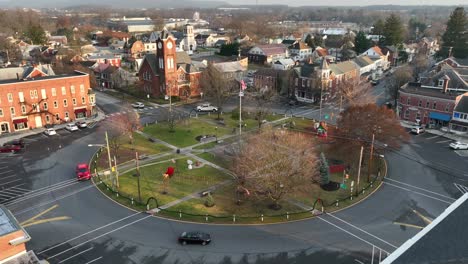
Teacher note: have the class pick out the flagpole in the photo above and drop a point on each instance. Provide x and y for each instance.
(240, 109)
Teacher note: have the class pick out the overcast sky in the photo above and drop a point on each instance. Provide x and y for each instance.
(350, 2)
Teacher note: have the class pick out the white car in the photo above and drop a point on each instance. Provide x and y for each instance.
(459, 145)
(81, 124)
(418, 130)
(207, 108)
(50, 132)
(71, 127)
(138, 105)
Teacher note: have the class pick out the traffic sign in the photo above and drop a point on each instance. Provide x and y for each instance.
(241, 94)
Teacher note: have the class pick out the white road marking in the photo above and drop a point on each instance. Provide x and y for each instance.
(462, 153)
(346, 231)
(362, 230)
(42, 191)
(433, 137)
(6, 195)
(94, 260)
(105, 234)
(2, 178)
(5, 183)
(463, 189)
(443, 141)
(3, 167)
(420, 188)
(89, 232)
(417, 192)
(18, 188)
(4, 172)
(84, 251)
(358, 261)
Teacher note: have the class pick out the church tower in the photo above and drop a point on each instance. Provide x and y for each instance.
(166, 63)
(189, 43)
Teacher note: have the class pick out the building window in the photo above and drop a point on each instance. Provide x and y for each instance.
(303, 82)
(420, 103)
(67, 115)
(447, 107)
(408, 101)
(23, 109)
(12, 111)
(65, 103)
(418, 116)
(64, 91)
(54, 92)
(441, 83)
(427, 104)
(10, 97)
(46, 107)
(91, 98)
(296, 81)
(82, 88)
(406, 116)
(72, 89)
(35, 94)
(83, 101)
(47, 119)
(20, 126)
(55, 104)
(1, 112)
(57, 117)
(434, 105)
(74, 101)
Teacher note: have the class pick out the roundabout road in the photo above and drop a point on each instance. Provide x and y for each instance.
(83, 226)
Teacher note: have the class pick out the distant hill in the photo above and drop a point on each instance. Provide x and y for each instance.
(114, 3)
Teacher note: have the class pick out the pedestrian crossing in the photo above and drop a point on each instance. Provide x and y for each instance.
(463, 189)
(12, 192)
(130, 111)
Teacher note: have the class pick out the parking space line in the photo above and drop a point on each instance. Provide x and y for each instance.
(94, 260)
(84, 251)
(5, 183)
(18, 188)
(12, 192)
(2, 178)
(433, 137)
(444, 141)
(412, 191)
(6, 195)
(421, 189)
(3, 172)
(3, 167)
(463, 189)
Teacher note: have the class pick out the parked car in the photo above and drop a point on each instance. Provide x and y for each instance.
(71, 127)
(194, 238)
(16, 142)
(10, 148)
(458, 145)
(81, 124)
(138, 105)
(418, 130)
(207, 108)
(50, 132)
(82, 172)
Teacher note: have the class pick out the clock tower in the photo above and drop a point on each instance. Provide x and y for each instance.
(166, 63)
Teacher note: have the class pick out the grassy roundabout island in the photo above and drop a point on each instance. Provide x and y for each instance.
(205, 186)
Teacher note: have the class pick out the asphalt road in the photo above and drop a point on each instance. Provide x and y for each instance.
(86, 227)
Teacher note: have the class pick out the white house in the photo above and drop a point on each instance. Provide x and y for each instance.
(283, 64)
(262, 54)
(300, 51)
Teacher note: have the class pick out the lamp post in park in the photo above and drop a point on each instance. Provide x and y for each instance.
(111, 168)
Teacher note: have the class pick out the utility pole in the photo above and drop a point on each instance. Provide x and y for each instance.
(138, 175)
(359, 171)
(108, 153)
(116, 173)
(320, 113)
(240, 109)
(370, 158)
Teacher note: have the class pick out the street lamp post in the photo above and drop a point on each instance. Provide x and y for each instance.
(320, 111)
(109, 159)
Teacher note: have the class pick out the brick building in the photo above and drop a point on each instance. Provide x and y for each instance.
(42, 99)
(169, 72)
(266, 78)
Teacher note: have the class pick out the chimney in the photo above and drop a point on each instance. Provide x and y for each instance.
(445, 87)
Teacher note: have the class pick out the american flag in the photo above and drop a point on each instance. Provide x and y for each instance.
(243, 85)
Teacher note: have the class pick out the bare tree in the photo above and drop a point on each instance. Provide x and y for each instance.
(215, 86)
(419, 64)
(263, 98)
(401, 76)
(126, 124)
(275, 163)
(353, 92)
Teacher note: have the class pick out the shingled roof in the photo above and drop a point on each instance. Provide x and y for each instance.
(462, 105)
(272, 49)
(343, 67)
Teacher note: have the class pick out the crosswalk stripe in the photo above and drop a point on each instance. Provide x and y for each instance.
(443, 141)
(461, 188)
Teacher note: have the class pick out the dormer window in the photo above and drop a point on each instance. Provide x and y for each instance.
(441, 83)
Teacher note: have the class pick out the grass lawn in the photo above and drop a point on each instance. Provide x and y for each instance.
(231, 123)
(185, 132)
(216, 159)
(225, 207)
(183, 183)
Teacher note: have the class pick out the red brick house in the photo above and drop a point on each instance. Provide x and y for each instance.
(266, 78)
(36, 99)
(169, 72)
(432, 101)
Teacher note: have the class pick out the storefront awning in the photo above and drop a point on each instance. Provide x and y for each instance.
(20, 120)
(439, 116)
(80, 110)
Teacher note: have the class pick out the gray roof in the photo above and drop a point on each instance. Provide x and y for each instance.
(415, 88)
(462, 106)
(8, 223)
(455, 80)
(307, 70)
(229, 66)
(442, 241)
(363, 61)
(151, 59)
(24, 72)
(343, 67)
(183, 57)
(76, 73)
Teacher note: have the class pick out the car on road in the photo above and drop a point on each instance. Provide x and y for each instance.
(81, 124)
(418, 130)
(10, 148)
(82, 172)
(50, 132)
(458, 145)
(71, 127)
(207, 108)
(194, 237)
(139, 105)
(16, 142)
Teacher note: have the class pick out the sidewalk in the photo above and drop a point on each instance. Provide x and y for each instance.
(446, 134)
(17, 135)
